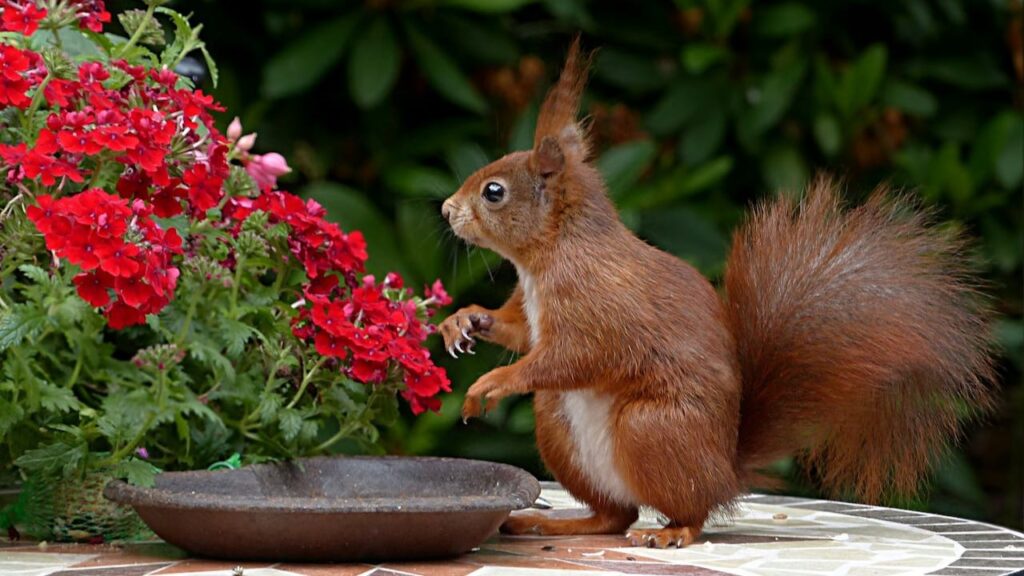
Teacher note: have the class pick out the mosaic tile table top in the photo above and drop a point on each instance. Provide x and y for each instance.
(768, 535)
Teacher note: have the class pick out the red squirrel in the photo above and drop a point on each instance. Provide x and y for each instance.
(852, 338)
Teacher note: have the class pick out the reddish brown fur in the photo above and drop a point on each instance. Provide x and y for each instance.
(861, 339)
(847, 337)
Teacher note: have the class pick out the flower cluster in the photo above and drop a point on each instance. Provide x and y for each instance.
(377, 332)
(119, 249)
(23, 16)
(115, 148)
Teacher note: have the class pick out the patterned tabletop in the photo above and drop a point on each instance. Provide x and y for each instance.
(767, 535)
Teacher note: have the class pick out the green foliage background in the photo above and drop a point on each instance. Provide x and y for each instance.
(698, 108)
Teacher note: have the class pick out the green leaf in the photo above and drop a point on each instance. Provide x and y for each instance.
(978, 71)
(211, 66)
(772, 99)
(421, 230)
(53, 457)
(988, 145)
(828, 134)
(859, 84)
(56, 399)
(703, 138)
(465, 158)
(487, 6)
(138, 472)
(303, 62)
(787, 19)
(686, 99)
(290, 423)
(10, 414)
(699, 57)
(235, 334)
(18, 324)
(686, 234)
(373, 64)
(1010, 162)
(414, 181)
(909, 98)
(678, 184)
(443, 74)
(623, 165)
(36, 274)
(635, 73)
(784, 169)
(353, 211)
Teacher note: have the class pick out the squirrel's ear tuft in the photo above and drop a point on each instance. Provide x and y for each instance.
(557, 116)
(548, 158)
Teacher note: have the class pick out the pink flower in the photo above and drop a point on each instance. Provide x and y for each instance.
(245, 143)
(235, 129)
(436, 294)
(142, 453)
(265, 168)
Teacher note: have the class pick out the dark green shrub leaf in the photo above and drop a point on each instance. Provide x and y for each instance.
(303, 62)
(859, 84)
(413, 180)
(488, 6)
(786, 19)
(138, 472)
(443, 74)
(632, 72)
(909, 98)
(623, 165)
(828, 134)
(53, 457)
(699, 57)
(703, 138)
(373, 64)
(686, 234)
(1010, 163)
(972, 72)
(784, 169)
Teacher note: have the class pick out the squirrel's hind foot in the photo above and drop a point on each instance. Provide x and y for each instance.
(667, 537)
(544, 524)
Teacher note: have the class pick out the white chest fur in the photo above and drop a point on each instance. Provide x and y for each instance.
(588, 414)
(531, 305)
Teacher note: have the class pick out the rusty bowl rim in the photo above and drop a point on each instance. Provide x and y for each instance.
(523, 490)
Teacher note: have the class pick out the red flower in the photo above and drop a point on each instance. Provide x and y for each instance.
(327, 345)
(13, 85)
(94, 287)
(21, 17)
(118, 259)
(133, 291)
(120, 315)
(437, 293)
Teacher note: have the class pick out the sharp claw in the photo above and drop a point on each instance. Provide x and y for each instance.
(679, 543)
(469, 349)
(458, 346)
(466, 335)
(452, 352)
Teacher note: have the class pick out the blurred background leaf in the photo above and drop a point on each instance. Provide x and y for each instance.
(697, 108)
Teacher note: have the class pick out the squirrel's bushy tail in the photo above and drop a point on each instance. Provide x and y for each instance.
(861, 339)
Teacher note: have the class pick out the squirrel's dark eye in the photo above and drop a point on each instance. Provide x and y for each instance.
(493, 192)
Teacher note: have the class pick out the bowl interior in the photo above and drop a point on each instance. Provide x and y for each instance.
(345, 483)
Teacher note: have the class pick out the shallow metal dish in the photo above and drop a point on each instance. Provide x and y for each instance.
(333, 508)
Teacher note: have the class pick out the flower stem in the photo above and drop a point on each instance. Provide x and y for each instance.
(150, 10)
(37, 99)
(305, 381)
(343, 432)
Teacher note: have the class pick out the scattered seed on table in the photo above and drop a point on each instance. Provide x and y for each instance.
(548, 548)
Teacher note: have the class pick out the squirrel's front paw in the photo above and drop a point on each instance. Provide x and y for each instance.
(488, 391)
(459, 329)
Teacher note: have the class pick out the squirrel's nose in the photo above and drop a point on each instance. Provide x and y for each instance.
(446, 209)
